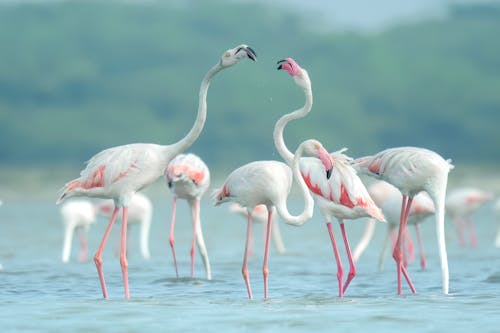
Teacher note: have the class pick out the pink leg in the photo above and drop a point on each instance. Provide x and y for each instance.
(195, 211)
(244, 269)
(340, 270)
(172, 241)
(265, 269)
(83, 242)
(123, 252)
(470, 226)
(460, 231)
(98, 255)
(421, 247)
(397, 252)
(409, 249)
(352, 267)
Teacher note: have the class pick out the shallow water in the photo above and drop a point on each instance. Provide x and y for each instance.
(38, 293)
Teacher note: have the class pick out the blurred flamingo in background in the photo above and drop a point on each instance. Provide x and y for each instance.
(118, 173)
(188, 178)
(78, 215)
(140, 212)
(389, 199)
(342, 196)
(259, 215)
(413, 170)
(421, 208)
(268, 183)
(460, 205)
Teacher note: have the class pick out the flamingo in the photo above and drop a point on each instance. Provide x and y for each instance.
(268, 183)
(76, 215)
(460, 204)
(140, 211)
(497, 215)
(188, 178)
(412, 170)
(80, 214)
(421, 208)
(344, 195)
(119, 172)
(259, 215)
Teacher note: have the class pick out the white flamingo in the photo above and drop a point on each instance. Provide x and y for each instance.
(268, 183)
(413, 170)
(461, 204)
(119, 172)
(188, 178)
(342, 196)
(259, 215)
(78, 215)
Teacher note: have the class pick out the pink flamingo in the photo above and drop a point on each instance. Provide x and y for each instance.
(413, 170)
(343, 195)
(259, 215)
(117, 173)
(188, 178)
(269, 183)
(461, 204)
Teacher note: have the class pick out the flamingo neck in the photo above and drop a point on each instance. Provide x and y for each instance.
(307, 213)
(195, 131)
(279, 128)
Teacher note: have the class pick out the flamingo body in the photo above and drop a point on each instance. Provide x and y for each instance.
(188, 177)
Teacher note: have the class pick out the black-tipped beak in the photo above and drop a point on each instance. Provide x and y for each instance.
(251, 53)
(280, 63)
(328, 173)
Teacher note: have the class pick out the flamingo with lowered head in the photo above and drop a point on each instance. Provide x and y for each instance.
(343, 195)
(460, 204)
(413, 170)
(188, 178)
(119, 172)
(269, 183)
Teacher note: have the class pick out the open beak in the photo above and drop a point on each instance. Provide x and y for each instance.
(250, 53)
(281, 62)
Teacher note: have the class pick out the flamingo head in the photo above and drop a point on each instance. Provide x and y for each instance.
(299, 74)
(232, 56)
(316, 149)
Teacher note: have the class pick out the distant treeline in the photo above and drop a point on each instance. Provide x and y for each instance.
(78, 77)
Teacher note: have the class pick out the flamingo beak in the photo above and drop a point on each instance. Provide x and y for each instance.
(326, 159)
(251, 53)
(281, 62)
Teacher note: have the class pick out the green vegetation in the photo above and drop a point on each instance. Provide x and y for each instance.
(78, 77)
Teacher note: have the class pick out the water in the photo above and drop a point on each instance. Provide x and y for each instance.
(40, 294)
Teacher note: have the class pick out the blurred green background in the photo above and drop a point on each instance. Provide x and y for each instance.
(77, 77)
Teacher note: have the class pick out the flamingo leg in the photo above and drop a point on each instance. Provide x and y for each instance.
(171, 238)
(201, 245)
(83, 245)
(470, 226)
(340, 270)
(265, 268)
(420, 246)
(98, 255)
(244, 268)
(194, 212)
(397, 251)
(460, 231)
(123, 252)
(352, 267)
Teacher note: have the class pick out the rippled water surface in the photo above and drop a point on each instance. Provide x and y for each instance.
(38, 293)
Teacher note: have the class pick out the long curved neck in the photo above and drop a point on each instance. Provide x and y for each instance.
(195, 131)
(279, 141)
(282, 208)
